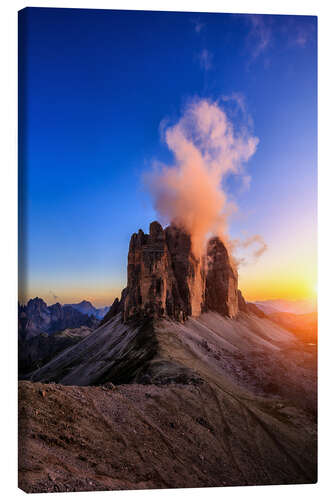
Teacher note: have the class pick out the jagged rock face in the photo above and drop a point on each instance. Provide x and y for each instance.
(242, 306)
(152, 286)
(221, 280)
(166, 279)
(187, 269)
(249, 307)
(117, 307)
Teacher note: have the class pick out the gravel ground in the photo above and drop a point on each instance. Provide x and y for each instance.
(147, 436)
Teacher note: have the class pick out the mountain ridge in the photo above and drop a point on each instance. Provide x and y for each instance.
(37, 317)
(86, 307)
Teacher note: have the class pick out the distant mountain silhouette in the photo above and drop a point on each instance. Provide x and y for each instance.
(37, 317)
(289, 306)
(86, 307)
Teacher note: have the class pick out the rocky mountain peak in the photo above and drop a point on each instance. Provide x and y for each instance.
(85, 303)
(150, 280)
(165, 279)
(221, 280)
(36, 305)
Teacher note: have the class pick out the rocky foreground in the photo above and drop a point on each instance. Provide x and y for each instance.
(221, 402)
(136, 437)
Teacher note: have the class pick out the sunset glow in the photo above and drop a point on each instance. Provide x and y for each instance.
(254, 179)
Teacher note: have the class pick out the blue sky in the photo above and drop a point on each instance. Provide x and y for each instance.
(95, 86)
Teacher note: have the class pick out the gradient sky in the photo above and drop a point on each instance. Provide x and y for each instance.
(95, 86)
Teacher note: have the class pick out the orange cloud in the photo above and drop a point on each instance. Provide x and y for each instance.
(206, 148)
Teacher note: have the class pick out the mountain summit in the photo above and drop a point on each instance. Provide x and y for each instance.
(86, 307)
(165, 279)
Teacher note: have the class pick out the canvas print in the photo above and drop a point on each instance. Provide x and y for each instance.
(167, 317)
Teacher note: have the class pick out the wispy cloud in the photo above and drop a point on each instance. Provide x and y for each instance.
(260, 36)
(302, 34)
(258, 241)
(204, 56)
(301, 40)
(255, 246)
(265, 31)
(238, 98)
(53, 296)
(198, 25)
(237, 108)
(205, 59)
(237, 104)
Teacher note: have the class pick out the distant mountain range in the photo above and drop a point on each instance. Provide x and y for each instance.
(297, 316)
(46, 330)
(37, 317)
(288, 306)
(305, 326)
(86, 307)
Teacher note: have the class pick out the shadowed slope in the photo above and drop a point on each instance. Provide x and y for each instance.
(113, 351)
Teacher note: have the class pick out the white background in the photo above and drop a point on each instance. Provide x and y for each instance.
(8, 242)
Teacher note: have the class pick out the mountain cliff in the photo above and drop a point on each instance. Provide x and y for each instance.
(166, 279)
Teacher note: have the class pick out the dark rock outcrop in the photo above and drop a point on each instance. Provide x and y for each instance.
(252, 308)
(117, 307)
(249, 307)
(221, 280)
(242, 306)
